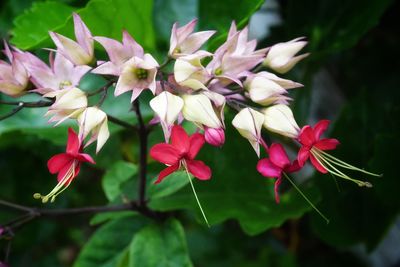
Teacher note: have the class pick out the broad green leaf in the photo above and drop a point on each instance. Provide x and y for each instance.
(115, 177)
(160, 245)
(237, 191)
(103, 17)
(174, 183)
(113, 215)
(106, 246)
(33, 25)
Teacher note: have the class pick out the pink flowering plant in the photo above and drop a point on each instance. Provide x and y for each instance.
(184, 108)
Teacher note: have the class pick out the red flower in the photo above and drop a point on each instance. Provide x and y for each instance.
(181, 152)
(67, 165)
(276, 165)
(312, 144)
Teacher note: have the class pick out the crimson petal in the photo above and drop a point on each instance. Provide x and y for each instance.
(167, 171)
(278, 156)
(180, 139)
(57, 162)
(320, 128)
(165, 153)
(294, 167)
(276, 189)
(268, 169)
(327, 144)
(82, 157)
(196, 140)
(306, 136)
(303, 155)
(73, 142)
(199, 169)
(317, 165)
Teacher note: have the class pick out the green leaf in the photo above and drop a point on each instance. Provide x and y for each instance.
(107, 216)
(33, 25)
(160, 245)
(174, 183)
(115, 177)
(107, 244)
(103, 17)
(237, 191)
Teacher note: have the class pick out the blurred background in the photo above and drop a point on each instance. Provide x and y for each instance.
(352, 78)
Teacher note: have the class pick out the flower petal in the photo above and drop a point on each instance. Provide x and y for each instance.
(276, 189)
(180, 139)
(268, 169)
(327, 144)
(73, 142)
(320, 128)
(306, 136)
(303, 155)
(196, 140)
(57, 162)
(165, 153)
(278, 156)
(167, 171)
(294, 167)
(82, 157)
(317, 165)
(199, 169)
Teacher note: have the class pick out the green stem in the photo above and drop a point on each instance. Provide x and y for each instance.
(306, 198)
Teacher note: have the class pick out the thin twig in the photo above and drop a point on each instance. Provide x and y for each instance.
(143, 132)
(121, 122)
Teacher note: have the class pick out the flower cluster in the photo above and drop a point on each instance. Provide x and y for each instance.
(202, 83)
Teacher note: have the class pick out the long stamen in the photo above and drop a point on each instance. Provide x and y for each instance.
(306, 198)
(60, 187)
(337, 172)
(345, 164)
(195, 195)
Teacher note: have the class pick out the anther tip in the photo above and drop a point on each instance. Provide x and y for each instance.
(37, 196)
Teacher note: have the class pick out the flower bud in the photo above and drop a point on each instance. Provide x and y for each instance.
(167, 107)
(198, 109)
(279, 119)
(69, 103)
(249, 123)
(281, 57)
(214, 136)
(189, 72)
(94, 120)
(263, 91)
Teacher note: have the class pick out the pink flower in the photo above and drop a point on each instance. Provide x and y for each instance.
(181, 152)
(214, 136)
(137, 74)
(80, 52)
(311, 141)
(61, 74)
(14, 78)
(276, 165)
(118, 53)
(184, 42)
(66, 165)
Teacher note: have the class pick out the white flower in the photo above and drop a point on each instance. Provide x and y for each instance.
(249, 123)
(167, 107)
(189, 72)
(279, 119)
(198, 109)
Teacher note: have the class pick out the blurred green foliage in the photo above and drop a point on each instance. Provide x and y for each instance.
(356, 42)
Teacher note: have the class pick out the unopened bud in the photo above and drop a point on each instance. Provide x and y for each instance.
(214, 136)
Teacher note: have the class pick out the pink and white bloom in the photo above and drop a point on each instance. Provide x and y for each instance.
(80, 52)
(137, 75)
(249, 123)
(277, 164)
(184, 42)
(69, 103)
(279, 119)
(214, 136)
(118, 53)
(281, 57)
(67, 166)
(61, 74)
(266, 88)
(199, 110)
(14, 78)
(93, 120)
(167, 107)
(189, 72)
